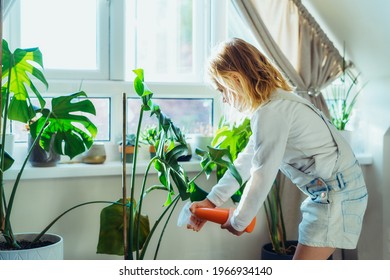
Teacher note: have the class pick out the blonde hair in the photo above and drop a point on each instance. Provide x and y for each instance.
(242, 69)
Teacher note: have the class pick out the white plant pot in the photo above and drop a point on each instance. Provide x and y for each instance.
(199, 141)
(50, 252)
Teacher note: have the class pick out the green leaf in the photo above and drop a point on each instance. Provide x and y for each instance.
(197, 193)
(181, 181)
(8, 160)
(111, 229)
(139, 73)
(17, 68)
(138, 86)
(73, 133)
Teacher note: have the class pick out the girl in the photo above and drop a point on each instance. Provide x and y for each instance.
(290, 134)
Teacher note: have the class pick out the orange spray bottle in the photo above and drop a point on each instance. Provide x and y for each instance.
(219, 216)
(216, 215)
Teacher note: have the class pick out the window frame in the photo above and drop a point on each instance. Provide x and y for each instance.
(102, 48)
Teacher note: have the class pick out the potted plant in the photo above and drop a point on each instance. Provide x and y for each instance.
(40, 157)
(129, 148)
(279, 247)
(124, 229)
(341, 97)
(150, 135)
(21, 70)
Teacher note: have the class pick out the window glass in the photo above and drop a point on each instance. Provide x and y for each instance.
(101, 120)
(65, 32)
(160, 39)
(191, 115)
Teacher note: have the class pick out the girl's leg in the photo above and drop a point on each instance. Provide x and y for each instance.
(304, 252)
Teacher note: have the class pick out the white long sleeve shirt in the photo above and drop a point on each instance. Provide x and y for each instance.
(283, 131)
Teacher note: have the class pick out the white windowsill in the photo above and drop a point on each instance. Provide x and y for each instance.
(111, 168)
(65, 170)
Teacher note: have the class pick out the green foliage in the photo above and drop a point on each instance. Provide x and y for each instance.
(17, 68)
(275, 220)
(73, 132)
(111, 230)
(342, 94)
(229, 140)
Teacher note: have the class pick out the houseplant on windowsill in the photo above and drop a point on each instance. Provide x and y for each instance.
(341, 97)
(150, 135)
(129, 148)
(21, 69)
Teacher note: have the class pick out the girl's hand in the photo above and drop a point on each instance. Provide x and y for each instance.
(196, 223)
(228, 225)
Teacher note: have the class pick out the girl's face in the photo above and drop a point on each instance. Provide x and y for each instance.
(231, 92)
(232, 98)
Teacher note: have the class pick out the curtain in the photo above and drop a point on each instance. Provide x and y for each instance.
(6, 6)
(290, 36)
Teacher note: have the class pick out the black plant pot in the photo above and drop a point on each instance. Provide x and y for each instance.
(41, 158)
(267, 253)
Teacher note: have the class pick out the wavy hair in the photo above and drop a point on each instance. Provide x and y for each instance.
(240, 69)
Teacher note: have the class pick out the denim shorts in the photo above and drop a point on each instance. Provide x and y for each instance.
(332, 215)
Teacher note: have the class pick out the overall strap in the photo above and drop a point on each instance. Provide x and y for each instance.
(342, 145)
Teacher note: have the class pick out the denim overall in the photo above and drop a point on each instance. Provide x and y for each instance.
(332, 215)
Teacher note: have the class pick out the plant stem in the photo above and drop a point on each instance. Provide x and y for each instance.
(124, 194)
(131, 216)
(16, 184)
(163, 229)
(3, 204)
(154, 228)
(65, 212)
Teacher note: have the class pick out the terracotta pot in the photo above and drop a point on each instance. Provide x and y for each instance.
(129, 151)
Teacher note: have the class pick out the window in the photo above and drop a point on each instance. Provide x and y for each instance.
(161, 38)
(73, 41)
(191, 115)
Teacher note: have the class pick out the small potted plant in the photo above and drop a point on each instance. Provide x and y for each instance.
(150, 135)
(341, 97)
(279, 247)
(129, 148)
(40, 157)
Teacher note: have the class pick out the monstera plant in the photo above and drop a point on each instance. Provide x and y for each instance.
(73, 133)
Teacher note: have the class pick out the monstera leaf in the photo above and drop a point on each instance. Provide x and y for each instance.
(111, 229)
(73, 133)
(8, 160)
(17, 68)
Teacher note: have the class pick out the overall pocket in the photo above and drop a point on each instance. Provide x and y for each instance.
(353, 210)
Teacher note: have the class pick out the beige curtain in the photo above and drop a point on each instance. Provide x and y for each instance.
(290, 36)
(6, 6)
